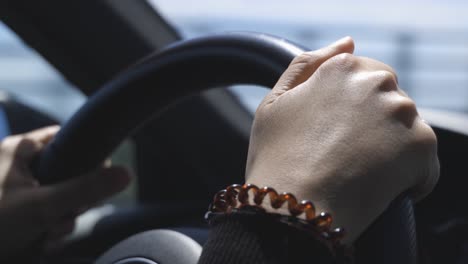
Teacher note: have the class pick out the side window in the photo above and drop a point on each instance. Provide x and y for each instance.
(29, 78)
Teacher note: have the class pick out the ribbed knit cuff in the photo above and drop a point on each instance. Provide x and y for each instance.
(257, 238)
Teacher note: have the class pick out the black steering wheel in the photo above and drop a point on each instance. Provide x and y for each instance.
(147, 88)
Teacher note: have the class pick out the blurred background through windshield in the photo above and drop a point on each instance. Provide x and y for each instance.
(425, 41)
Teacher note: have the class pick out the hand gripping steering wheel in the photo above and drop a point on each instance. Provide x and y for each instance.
(147, 88)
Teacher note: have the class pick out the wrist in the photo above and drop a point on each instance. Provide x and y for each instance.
(344, 215)
(237, 198)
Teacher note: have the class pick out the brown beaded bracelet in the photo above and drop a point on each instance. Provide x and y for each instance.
(235, 198)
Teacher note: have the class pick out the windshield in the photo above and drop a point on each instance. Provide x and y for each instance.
(425, 41)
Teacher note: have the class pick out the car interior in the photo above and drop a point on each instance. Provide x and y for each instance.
(186, 137)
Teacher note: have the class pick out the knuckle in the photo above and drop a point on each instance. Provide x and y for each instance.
(344, 58)
(403, 105)
(407, 104)
(387, 80)
(401, 109)
(344, 62)
(392, 71)
(388, 76)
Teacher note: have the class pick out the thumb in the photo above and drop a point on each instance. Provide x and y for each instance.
(304, 65)
(31, 143)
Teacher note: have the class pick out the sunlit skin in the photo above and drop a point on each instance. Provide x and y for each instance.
(336, 129)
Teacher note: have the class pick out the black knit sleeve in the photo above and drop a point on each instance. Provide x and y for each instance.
(259, 239)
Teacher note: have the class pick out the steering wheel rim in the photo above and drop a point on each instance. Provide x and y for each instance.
(131, 99)
(105, 119)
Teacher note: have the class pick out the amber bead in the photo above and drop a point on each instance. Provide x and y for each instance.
(220, 205)
(308, 208)
(258, 199)
(323, 220)
(272, 194)
(243, 196)
(237, 197)
(231, 194)
(337, 234)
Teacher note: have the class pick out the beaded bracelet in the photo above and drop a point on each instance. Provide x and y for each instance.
(235, 198)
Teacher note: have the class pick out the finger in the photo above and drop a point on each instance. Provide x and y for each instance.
(369, 64)
(33, 142)
(19, 180)
(67, 197)
(43, 135)
(428, 178)
(304, 65)
(14, 153)
(25, 148)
